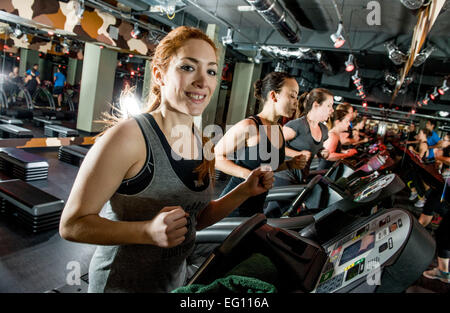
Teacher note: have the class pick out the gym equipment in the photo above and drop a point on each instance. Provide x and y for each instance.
(14, 131)
(35, 209)
(72, 154)
(23, 165)
(384, 253)
(10, 120)
(41, 120)
(59, 131)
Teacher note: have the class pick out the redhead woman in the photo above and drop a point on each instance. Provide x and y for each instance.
(154, 195)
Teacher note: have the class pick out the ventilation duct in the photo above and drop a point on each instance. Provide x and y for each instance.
(277, 16)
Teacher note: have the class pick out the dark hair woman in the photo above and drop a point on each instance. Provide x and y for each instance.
(258, 139)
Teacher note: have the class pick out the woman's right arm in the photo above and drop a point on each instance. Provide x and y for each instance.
(233, 139)
(103, 169)
(331, 144)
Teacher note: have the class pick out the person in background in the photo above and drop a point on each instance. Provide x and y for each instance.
(347, 136)
(58, 87)
(340, 120)
(414, 181)
(259, 139)
(433, 140)
(32, 79)
(141, 193)
(304, 135)
(14, 81)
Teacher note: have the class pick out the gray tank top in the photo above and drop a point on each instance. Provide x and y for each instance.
(148, 268)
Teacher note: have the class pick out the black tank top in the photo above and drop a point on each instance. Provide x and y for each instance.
(251, 157)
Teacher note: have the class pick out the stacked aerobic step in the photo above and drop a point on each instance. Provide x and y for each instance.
(23, 165)
(59, 131)
(32, 207)
(72, 154)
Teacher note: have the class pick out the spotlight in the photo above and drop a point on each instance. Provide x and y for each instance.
(349, 66)
(364, 104)
(443, 88)
(423, 55)
(434, 94)
(337, 37)
(395, 55)
(390, 79)
(18, 33)
(79, 10)
(426, 99)
(412, 4)
(135, 32)
(443, 113)
(258, 56)
(338, 98)
(228, 39)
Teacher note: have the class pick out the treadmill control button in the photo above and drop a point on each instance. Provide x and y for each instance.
(391, 244)
(383, 247)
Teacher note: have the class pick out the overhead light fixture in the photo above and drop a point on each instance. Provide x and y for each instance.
(413, 111)
(355, 77)
(258, 56)
(423, 55)
(245, 8)
(444, 113)
(18, 33)
(337, 37)
(390, 79)
(434, 94)
(349, 66)
(79, 10)
(135, 32)
(280, 67)
(412, 4)
(338, 98)
(228, 39)
(443, 88)
(394, 53)
(364, 104)
(426, 99)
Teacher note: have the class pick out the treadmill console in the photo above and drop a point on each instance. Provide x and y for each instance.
(355, 257)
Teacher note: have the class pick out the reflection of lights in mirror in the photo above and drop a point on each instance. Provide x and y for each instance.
(129, 104)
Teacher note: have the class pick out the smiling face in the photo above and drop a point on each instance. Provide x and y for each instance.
(190, 80)
(286, 99)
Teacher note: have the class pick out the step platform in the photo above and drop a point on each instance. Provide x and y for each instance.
(72, 154)
(39, 121)
(32, 207)
(59, 131)
(10, 120)
(21, 164)
(14, 131)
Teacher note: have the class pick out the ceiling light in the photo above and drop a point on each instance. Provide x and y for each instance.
(413, 111)
(337, 37)
(364, 104)
(338, 98)
(423, 55)
(228, 39)
(245, 8)
(434, 94)
(280, 67)
(349, 66)
(426, 99)
(79, 10)
(135, 32)
(444, 113)
(390, 79)
(18, 33)
(258, 56)
(395, 55)
(412, 4)
(443, 88)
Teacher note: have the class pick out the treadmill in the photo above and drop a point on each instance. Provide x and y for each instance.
(382, 253)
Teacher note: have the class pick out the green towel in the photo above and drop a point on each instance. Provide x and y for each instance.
(231, 283)
(256, 274)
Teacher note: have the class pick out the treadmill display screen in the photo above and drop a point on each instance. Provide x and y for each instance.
(361, 246)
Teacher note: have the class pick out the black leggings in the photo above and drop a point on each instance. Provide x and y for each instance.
(413, 179)
(432, 206)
